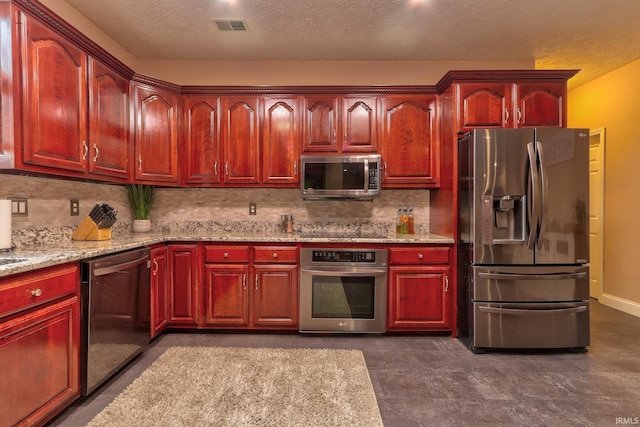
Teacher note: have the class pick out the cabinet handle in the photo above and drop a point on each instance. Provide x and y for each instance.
(506, 116)
(36, 292)
(86, 150)
(95, 157)
(446, 283)
(420, 256)
(334, 136)
(384, 169)
(155, 267)
(215, 167)
(256, 281)
(244, 282)
(275, 254)
(295, 167)
(345, 137)
(519, 115)
(226, 168)
(139, 162)
(226, 255)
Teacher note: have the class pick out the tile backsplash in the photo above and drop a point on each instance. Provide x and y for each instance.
(49, 210)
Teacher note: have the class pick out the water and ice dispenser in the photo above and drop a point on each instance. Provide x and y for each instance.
(503, 219)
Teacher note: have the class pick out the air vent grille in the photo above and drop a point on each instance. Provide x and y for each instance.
(231, 24)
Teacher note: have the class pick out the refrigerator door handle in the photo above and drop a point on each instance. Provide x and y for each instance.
(544, 181)
(528, 312)
(508, 276)
(532, 215)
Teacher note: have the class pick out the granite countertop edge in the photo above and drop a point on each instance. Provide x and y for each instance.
(41, 256)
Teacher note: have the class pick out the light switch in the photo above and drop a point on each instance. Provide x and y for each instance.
(19, 206)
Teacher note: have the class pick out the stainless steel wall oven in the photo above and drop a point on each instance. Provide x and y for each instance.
(343, 290)
(115, 314)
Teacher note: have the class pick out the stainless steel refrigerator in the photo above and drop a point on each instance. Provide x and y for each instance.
(524, 238)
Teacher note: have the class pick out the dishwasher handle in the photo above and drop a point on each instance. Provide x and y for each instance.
(119, 267)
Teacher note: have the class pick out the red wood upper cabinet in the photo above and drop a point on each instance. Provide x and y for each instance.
(540, 104)
(339, 124)
(483, 105)
(202, 163)
(281, 141)
(511, 105)
(54, 107)
(410, 141)
(359, 124)
(241, 139)
(320, 124)
(109, 142)
(156, 135)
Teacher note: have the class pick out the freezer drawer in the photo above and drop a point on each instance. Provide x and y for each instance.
(530, 326)
(530, 284)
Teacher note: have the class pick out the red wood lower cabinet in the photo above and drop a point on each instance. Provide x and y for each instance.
(226, 295)
(183, 285)
(275, 296)
(39, 346)
(419, 297)
(159, 291)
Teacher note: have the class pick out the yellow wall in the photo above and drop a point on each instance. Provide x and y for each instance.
(613, 102)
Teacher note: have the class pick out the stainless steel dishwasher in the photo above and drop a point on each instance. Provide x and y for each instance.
(114, 314)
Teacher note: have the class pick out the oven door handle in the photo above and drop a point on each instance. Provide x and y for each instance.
(349, 273)
(529, 312)
(119, 267)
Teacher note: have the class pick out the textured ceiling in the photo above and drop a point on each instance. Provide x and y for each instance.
(595, 36)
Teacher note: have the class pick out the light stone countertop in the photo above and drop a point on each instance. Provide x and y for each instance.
(61, 252)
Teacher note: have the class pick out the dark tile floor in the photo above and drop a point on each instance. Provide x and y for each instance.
(436, 381)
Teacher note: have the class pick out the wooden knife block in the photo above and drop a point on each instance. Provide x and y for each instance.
(88, 230)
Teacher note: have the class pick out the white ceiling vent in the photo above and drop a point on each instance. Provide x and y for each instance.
(231, 24)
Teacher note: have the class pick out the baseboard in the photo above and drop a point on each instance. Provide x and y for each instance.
(621, 304)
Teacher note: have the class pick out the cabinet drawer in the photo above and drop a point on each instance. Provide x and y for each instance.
(276, 254)
(31, 289)
(424, 255)
(226, 254)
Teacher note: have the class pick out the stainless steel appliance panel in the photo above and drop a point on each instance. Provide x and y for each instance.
(530, 325)
(531, 284)
(500, 198)
(564, 221)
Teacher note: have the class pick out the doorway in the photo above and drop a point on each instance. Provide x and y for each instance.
(596, 212)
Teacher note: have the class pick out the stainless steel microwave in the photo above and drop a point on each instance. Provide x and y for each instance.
(340, 177)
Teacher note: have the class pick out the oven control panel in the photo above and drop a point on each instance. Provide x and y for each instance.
(343, 256)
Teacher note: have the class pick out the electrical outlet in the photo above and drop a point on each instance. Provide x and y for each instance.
(19, 206)
(75, 207)
(252, 208)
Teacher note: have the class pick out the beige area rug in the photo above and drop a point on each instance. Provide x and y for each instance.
(218, 386)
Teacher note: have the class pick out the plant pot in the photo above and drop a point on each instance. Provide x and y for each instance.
(141, 225)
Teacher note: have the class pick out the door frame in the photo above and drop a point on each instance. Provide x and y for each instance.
(601, 134)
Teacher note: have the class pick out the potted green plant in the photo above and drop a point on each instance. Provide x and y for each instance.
(141, 198)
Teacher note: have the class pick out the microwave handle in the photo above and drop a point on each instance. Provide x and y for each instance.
(366, 175)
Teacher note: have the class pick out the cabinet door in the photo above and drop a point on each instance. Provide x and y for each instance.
(320, 124)
(483, 105)
(40, 363)
(241, 139)
(156, 143)
(275, 296)
(159, 291)
(359, 124)
(183, 286)
(541, 105)
(226, 295)
(410, 143)
(55, 99)
(201, 163)
(281, 141)
(109, 143)
(418, 298)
